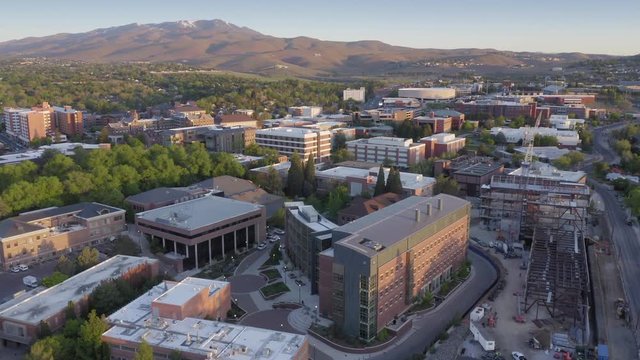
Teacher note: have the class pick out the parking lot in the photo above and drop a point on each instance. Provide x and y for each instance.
(12, 282)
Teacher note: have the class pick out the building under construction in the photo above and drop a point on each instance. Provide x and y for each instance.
(546, 209)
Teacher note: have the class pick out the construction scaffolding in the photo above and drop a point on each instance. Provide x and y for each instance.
(550, 215)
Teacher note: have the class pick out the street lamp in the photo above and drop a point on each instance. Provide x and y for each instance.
(299, 293)
(285, 274)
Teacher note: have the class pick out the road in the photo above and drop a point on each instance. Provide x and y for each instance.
(625, 238)
(427, 328)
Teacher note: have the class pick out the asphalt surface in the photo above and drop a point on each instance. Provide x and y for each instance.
(427, 328)
(626, 238)
(12, 282)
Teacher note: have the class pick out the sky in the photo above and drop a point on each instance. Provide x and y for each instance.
(588, 26)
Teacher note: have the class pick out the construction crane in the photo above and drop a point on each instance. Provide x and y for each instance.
(529, 137)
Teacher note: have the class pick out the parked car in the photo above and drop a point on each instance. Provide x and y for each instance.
(274, 239)
(261, 246)
(518, 355)
(30, 281)
(279, 231)
(23, 267)
(300, 282)
(15, 269)
(292, 275)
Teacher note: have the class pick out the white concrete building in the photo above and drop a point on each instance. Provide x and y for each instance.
(401, 152)
(566, 138)
(304, 141)
(354, 94)
(563, 122)
(428, 94)
(307, 111)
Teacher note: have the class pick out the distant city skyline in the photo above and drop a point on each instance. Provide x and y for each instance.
(589, 26)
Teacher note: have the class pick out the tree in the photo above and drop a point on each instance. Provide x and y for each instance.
(43, 329)
(271, 182)
(175, 355)
(226, 164)
(601, 169)
(104, 135)
(54, 279)
(90, 345)
(501, 139)
(339, 141)
(338, 198)
(70, 311)
(65, 266)
(309, 176)
(88, 257)
(295, 177)
(48, 348)
(341, 155)
(380, 183)
(545, 140)
(125, 246)
(424, 167)
(145, 351)
(446, 185)
(394, 184)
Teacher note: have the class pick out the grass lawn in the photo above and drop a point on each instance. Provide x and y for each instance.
(271, 274)
(275, 289)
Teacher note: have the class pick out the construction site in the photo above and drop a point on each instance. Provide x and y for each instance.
(545, 209)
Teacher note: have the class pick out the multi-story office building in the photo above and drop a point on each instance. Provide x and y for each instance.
(381, 262)
(436, 123)
(296, 140)
(498, 108)
(68, 121)
(439, 144)
(229, 139)
(308, 233)
(205, 228)
(354, 94)
(457, 118)
(305, 111)
(21, 317)
(401, 152)
(48, 233)
(170, 318)
(11, 119)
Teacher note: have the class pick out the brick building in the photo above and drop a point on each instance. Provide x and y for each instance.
(439, 144)
(48, 233)
(20, 318)
(381, 262)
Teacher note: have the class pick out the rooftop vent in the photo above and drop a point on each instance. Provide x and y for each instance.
(374, 245)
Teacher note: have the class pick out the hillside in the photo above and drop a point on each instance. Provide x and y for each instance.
(221, 45)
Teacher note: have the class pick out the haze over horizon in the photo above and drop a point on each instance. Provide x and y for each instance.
(591, 26)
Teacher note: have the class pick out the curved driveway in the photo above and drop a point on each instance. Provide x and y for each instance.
(426, 328)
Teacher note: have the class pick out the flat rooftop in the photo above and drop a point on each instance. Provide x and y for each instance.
(53, 300)
(546, 171)
(187, 288)
(396, 222)
(478, 169)
(290, 131)
(135, 323)
(198, 213)
(318, 223)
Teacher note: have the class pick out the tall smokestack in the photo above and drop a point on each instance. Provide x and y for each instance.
(417, 215)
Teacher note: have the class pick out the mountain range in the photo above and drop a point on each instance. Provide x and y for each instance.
(220, 45)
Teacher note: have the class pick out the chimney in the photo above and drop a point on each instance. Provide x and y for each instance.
(417, 215)
(439, 204)
(428, 209)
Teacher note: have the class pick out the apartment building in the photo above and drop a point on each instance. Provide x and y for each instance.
(401, 152)
(308, 233)
(381, 262)
(287, 140)
(439, 144)
(171, 318)
(200, 230)
(20, 318)
(29, 124)
(68, 120)
(48, 233)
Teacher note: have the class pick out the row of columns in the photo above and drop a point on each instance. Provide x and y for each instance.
(235, 244)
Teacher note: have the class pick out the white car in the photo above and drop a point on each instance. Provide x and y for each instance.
(278, 231)
(23, 267)
(261, 246)
(15, 269)
(518, 355)
(273, 239)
